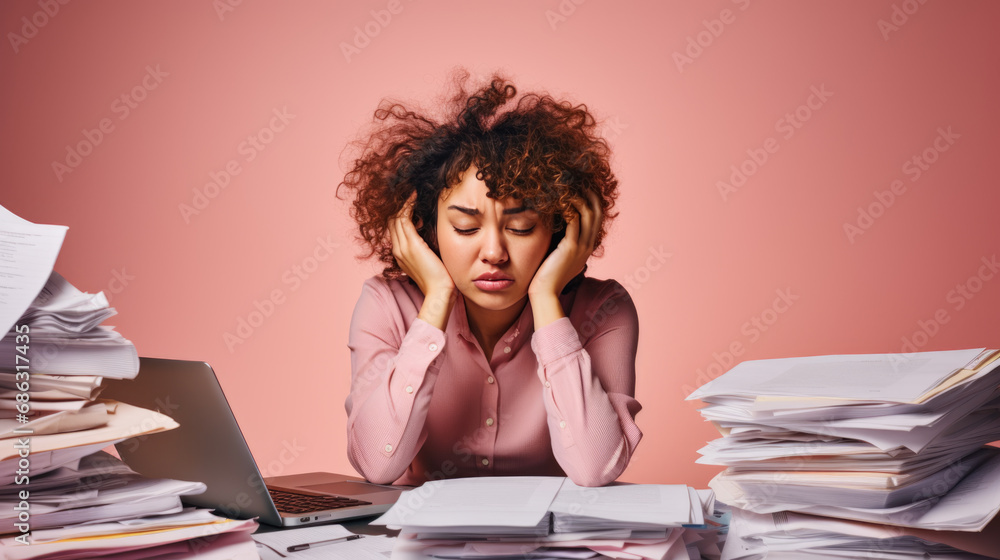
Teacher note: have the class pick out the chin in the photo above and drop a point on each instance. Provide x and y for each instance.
(494, 301)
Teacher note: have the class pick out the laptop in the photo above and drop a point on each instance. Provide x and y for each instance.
(209, 447)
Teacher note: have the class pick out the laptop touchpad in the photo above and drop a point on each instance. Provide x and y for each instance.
(348, 488)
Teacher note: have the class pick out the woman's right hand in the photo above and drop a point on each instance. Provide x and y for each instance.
(419, 262)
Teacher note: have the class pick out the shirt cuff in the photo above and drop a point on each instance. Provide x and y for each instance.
(423, 344)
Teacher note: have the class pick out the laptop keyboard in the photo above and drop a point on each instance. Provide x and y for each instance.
(290, 502)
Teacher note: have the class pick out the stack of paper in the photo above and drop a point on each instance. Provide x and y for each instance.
(793, 536)
(66, 336)
(167, 537)
(100, 488)
(60, 495)
(883, 439)
(56, 415)
(97, 506)
(547, 517)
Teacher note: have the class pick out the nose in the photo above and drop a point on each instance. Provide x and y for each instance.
(494, 247)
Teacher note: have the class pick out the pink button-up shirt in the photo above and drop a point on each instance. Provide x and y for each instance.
(425, 404)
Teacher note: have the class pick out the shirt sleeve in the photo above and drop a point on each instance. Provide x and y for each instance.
(589, 388)
(393, 370)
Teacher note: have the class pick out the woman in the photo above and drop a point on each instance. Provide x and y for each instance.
(482, 349)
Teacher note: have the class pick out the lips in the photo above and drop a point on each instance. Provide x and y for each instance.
(494, 276)
(493, 281)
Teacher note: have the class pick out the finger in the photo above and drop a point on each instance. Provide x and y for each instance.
(586, 222)
(398, 237)
(394, 238)
(406, 204)
(406, 225)
(402, 220)
(595, 204)
(598, 218)
(406, 210)
(579, 205)
(572, 236)
(575, 244)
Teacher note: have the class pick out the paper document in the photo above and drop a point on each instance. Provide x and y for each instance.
(65, 421)
(623, 521)
(624, 505)
(27, 254)
(882, 377)
(510, 501)
(280, 541)
(847, 456)
(94, 547)
(189, 516)
(369, 547)
(124, 421)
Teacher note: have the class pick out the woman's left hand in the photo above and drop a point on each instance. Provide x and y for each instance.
(570, 256)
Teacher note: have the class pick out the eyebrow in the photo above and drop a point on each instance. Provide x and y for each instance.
(475, 211)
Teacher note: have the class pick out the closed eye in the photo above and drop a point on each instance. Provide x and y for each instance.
(515, 231)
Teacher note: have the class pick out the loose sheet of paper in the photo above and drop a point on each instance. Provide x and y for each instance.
(882, 377)
(124, 421)
(27, 254)
(281, 540)
(510, 501)
(660, 504)
(369, 547)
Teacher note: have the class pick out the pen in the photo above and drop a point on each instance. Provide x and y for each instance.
(306, 546)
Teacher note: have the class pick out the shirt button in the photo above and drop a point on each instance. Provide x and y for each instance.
(489, 421)
(547, 384)
(490, 379)
(409, 388)
(388, 448)
(432, 347)
(486, 462)
(562, 423)
(506, 350)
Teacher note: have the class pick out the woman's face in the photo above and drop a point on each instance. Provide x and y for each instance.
(491, 248)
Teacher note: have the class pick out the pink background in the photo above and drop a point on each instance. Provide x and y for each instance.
(677, 127)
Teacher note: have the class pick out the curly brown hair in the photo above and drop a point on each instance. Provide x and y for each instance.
(540, 150)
